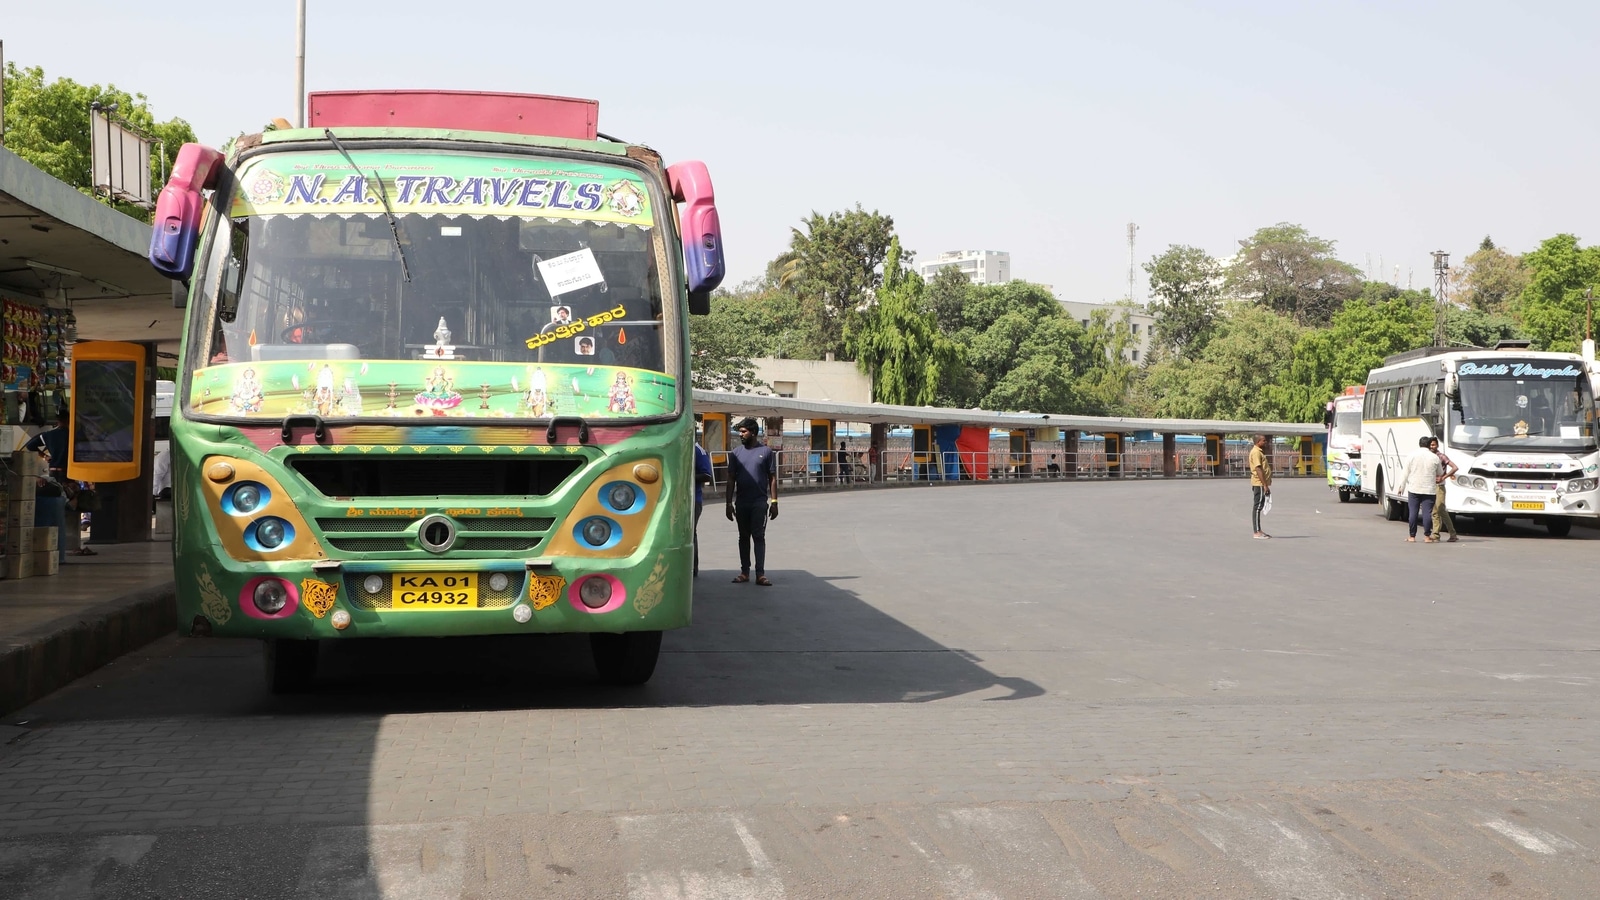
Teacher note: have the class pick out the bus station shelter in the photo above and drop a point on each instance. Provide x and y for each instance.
(63, 249)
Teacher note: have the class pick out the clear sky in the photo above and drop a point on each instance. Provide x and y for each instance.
(1042, 129)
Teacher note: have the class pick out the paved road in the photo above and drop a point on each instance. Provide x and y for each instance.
(1059, 690)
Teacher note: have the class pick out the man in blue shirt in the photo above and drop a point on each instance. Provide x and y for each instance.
(752, 498)
(702, 477)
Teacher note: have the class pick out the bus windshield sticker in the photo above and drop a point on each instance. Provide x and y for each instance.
(568, 273)
(324, 183)
(1516, 370)
(412, 389)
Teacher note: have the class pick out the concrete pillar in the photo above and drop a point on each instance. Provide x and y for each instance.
(1069, 452)
(1169, 455)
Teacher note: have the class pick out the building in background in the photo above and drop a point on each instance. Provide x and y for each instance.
(814, 379)
(1139, 322)
(980, 266)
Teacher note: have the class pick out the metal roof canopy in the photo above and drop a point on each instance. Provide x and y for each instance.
(89, 251)
(761, 406)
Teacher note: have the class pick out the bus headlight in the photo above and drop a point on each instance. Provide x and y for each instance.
(244, 499)
(1580, 485)
(595, 592)
(270, 596)
(272, 533)
(596, 532)
(621, 496)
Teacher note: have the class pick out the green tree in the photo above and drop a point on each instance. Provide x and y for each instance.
(1489, 280)
(722, 346)
(1237, 376)
(1383, 321)
(1475, 328)
(834, 267)
(1290, 271)
(945, 297)
(47, 124)
(1186, 284)
(1025, 352)
(1552, 306)
(897, 343)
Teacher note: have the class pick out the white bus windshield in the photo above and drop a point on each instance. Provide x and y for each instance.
(1518, 406)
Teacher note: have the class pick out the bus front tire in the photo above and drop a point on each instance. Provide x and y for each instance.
(626, 658)
(291, 665)
(1558, 526)
(1344, 496)
(1392, 510)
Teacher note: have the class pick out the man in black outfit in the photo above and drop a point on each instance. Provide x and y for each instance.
(752, 498)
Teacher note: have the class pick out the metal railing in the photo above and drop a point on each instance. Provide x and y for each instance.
(852, 468)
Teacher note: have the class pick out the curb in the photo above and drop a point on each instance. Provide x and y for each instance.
(50, 656)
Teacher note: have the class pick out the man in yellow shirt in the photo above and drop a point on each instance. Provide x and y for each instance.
(1260, 482)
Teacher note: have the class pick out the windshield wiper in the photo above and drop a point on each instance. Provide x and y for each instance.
(383, 194)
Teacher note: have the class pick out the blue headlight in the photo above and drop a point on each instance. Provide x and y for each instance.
(246, 498)
(268, 533)
(597, 532)
(622, 496)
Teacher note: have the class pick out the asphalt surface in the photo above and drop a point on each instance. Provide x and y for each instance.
(1030, 690)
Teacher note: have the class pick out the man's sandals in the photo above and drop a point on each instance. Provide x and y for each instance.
(762, 580)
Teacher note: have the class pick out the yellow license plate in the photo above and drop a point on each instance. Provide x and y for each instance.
(436, 590)
(1528, 504)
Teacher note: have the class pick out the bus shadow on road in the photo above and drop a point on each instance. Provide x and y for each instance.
(804, 640)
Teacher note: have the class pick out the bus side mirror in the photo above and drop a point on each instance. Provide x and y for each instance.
(176, 227)
(701, 230)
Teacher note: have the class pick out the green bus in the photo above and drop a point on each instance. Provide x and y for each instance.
(434, 377)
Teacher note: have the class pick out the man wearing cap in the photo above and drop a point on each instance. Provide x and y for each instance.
(752, 498)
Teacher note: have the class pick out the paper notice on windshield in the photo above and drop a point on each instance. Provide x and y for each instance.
(568, 273)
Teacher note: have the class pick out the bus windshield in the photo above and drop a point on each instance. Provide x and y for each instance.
(436, 283)
(1520, 406)
(1347, 420)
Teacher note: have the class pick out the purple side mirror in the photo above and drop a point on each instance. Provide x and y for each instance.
(176, 229)
(702, 231)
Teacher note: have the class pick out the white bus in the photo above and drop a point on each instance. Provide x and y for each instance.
(1343, 421)
(1520, 426)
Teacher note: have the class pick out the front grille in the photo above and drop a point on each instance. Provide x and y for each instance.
(477, 534)
(434, 476)
(356, 592)
(497, 543)
(370, 545)
(499, 524)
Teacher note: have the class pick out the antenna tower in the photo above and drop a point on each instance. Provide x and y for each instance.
(1132, 230)
(1441, 289)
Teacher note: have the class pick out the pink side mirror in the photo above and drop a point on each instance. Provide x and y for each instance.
(702, 231)
(176, 228)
